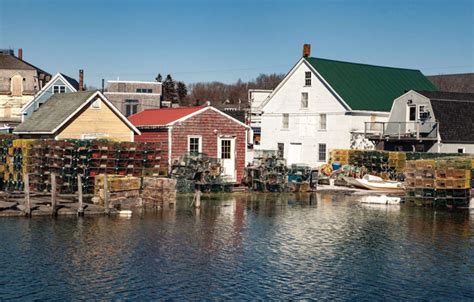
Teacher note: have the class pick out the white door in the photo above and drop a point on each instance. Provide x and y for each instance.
(226, 152)
(294, 153)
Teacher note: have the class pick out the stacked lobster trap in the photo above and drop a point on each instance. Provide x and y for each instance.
(69, 158)
(440, 182)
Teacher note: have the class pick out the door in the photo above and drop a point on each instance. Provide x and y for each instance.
(411, 119)
(226, 152)
(294, 153)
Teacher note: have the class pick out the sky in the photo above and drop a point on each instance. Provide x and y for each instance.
(227, 40)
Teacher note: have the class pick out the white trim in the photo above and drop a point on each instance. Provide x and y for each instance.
(46, 87)
(260, 90)
(201, 111)
(233, 152)
(59, 89)
(319, 77)
(402, 96)
(199, 144)
(170, 149)
(94, 95)
(104, 99)
(365, 112)
(96, 105)
(137, 82)
(100, 135)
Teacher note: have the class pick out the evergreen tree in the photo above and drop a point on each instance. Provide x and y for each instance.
(169, 90)
(181, 90)
(158, 78)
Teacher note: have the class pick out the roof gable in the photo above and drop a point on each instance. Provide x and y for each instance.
(61, 108)
(161, 117)
(169, 116)
(59, 77)
(11, 62)
(369, 87)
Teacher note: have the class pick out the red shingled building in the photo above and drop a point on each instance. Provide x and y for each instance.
(202, 129)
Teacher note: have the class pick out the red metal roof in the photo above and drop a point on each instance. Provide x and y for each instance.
(161, 117)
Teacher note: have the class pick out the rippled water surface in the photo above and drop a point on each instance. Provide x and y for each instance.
(244, 247)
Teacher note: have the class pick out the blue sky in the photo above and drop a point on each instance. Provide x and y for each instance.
(226, 40)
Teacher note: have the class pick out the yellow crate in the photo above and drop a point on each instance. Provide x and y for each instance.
(401, 164)
(426, 163)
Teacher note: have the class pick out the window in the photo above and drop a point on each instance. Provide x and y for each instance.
(225, 149)
(304, 100)
(322, 152)
(59, 89)
(16, 85)
(322, 121)
(281, 150)
(307, 78)
(131, 107)
(412, 113)
(423, 114)
(96, 104)
(194, 144)
(144, 90)
(461, 150)
(285, 124)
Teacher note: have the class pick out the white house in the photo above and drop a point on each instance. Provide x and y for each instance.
(427, 121)
(256, 99)
(323, 104)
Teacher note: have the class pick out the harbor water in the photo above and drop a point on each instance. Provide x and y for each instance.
(244, 247)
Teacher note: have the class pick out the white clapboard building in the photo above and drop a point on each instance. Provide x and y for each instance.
(323, 104)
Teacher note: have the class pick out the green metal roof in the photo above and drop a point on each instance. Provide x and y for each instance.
(369, 87)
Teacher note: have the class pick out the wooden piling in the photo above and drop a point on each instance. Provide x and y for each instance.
(53, 194)
(197, 196)
(80, 208)
(26, 182)
(106, 196)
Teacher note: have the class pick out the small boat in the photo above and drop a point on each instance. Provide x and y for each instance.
(371, 182)
(381, 199)
(125, 213)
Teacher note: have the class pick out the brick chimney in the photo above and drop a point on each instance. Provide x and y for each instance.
(81, 80)
(306, 50)
(20, 53)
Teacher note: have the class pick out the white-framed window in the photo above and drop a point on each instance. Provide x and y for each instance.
(194, 144)
(461, 150)
(307, 78)
(131, 107)
(304, 100)
(285, 121)
(322, 152)
(59, 89)
(323, 124)
(423, 113)
(226, 149)
(96, 104)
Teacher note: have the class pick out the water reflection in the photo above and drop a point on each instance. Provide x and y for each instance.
(244, 246)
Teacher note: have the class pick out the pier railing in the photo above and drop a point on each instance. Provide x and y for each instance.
(401, 130)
